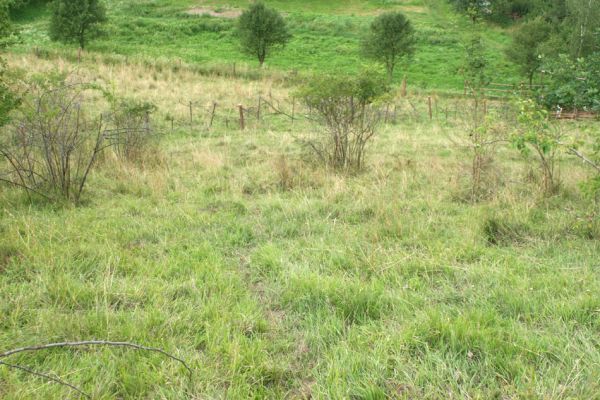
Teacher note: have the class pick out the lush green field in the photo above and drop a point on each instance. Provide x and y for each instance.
(275, 278)
(326, 37)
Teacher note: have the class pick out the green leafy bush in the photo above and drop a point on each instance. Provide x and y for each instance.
(572, 84)
(347, 107)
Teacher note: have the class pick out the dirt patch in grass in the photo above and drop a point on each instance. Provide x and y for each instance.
(229, 13)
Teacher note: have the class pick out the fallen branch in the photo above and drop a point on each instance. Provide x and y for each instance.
(46, 376)
(95, 343)
(78, 344)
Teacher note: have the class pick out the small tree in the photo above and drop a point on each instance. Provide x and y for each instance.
(536, 133)
(347, 107)
(389, 40)
(76, 20)
(475, 66)
(525, 49)
(261, 30)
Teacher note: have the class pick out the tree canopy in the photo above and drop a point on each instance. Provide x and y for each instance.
(261, 30)
(76, 21)
(390, 38)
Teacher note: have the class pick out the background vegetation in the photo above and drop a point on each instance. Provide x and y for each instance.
(326, 37)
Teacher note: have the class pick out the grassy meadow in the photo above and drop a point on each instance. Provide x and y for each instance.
(274, 277)
(326, 37)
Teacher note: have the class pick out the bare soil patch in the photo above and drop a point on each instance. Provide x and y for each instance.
(229, 13)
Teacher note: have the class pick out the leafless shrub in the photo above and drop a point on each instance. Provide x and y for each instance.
(482, 131)
(56, 135)
(131, 134)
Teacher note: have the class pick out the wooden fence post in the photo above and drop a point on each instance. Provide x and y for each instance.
(212, 115)
(258, 110)
(387, 111)
(430, 110)
(293, 109)
(241, 108)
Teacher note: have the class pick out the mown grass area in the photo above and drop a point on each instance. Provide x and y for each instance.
(275, 278)
(326, 37)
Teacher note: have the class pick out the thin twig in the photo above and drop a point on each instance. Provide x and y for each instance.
(46, 376)
(27, 188)
(586, 160)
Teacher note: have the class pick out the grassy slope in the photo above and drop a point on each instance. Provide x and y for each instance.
(326, 37)
(366, 287)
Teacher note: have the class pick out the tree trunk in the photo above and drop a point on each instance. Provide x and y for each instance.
(531, 79)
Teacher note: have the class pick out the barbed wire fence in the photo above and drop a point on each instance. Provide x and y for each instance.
(268, 111)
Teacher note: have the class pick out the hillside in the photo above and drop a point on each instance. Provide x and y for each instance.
(326, 36)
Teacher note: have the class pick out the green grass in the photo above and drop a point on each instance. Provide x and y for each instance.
(384, 284)
(326, 37)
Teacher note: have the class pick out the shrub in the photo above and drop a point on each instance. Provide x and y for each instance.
(54, 140)
(347, 107)
(535, 132)
(55, 136)
(131, 132)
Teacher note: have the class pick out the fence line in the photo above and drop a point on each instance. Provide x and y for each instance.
(266, 111)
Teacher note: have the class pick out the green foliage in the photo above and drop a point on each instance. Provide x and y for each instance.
(525, 49)
(262, 30)
(8, 32)
(581, 27)
(390, 39)
(365, 88)
(572, 84)
(76, 20)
